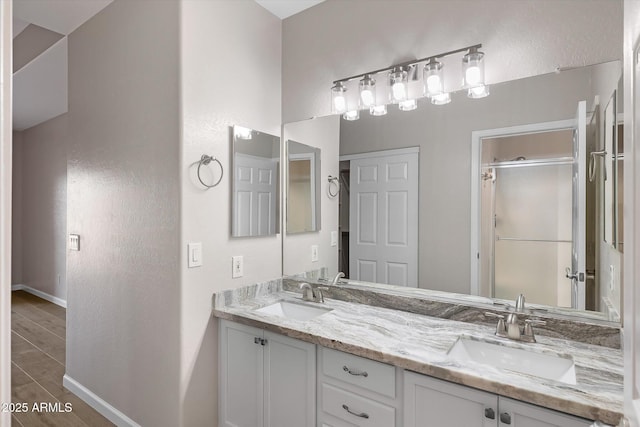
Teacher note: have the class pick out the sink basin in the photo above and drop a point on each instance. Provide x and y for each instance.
(293, 310)
(549, 366)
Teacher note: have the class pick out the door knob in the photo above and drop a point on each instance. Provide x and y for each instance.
(574, 276)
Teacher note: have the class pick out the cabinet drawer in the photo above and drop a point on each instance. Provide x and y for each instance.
(356, 410)
(365, 373)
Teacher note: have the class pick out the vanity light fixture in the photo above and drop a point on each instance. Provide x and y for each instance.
(351, 115)
(402, 83)
(339, 98)
(473, 74)
(408, 105)
(399, 83)
(433, 78)
(367, 89)
(378, 110)
(241, 132)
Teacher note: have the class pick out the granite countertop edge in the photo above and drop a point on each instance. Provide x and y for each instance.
(586, 399)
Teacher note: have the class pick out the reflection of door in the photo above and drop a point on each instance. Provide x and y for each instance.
(383, 220)
(577, 272)
(254, 195)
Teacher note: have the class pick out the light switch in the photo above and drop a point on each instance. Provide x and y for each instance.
(195, 254)
(612, 277)
(334, 238)
(74, 242)
(237, 266)
(314, 253)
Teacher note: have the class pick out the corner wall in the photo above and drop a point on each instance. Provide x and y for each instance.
(16, 211)
(123, 315)
(230, 74)
(42, 188)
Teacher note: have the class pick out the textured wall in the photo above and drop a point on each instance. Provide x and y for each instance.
(337, 39)
(124, 202)
(230, 69)
(44, 206)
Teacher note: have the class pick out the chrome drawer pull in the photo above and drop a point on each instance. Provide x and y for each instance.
(358, 374)
(361, 414)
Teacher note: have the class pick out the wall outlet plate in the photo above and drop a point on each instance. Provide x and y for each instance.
(314, 253)
(237, 266)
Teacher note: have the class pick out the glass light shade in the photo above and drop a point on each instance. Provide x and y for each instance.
(408, 105)
(367, 89)
(241, 132)
(478, 91)
(433, 78)
(338, 99)
(351, 115)
(399, 82)
(378, 110)
(442, 99)
(473, 69)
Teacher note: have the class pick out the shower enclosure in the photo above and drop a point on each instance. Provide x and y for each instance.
(526, 217)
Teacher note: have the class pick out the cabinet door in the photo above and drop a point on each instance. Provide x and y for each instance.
(514, 413)
(241, 375)
(290, 382)
(429, 402)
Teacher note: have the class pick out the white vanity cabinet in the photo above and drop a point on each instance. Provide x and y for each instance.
(266, 379)
(430, 402)
(355, 391)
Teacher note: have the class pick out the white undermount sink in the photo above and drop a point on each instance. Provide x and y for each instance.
(549, 366)
(293, 310)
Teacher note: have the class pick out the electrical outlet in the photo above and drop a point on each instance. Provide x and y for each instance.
(195, 255)
(334, 238)
(314, 253)
(237, 266)
(74, 242)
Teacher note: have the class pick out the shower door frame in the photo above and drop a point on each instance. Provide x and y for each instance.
(476, 181)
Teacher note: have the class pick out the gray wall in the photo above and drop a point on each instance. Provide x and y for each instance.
(16, 211)
(123, 320)
(43, 168)
(230, 74)
(337, 39)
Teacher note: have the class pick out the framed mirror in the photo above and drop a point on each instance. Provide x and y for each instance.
(255, 187)
(303, 188)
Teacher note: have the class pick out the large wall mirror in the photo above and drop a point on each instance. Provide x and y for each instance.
(255, 206)
(303, 188)
(497, 213)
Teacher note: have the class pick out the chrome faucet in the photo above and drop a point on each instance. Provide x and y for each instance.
(336, 279)
(509, 327)
(520, 303)
(311, 294)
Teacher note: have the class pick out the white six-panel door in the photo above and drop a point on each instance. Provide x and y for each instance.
(383, 222)
(254, 195)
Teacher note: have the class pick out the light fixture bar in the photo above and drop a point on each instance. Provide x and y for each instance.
(409, 63)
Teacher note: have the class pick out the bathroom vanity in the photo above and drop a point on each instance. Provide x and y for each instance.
(287, 362)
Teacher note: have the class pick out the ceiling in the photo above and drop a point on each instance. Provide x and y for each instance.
(285, 8)
(40, 87)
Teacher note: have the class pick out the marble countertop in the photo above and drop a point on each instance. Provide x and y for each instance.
(420, 343)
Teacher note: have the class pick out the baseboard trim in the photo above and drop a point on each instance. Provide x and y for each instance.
(91, 399)
(40, 294)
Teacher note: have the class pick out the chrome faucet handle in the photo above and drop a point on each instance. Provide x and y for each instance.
(319, 294)
(528, 329)
(501, 329)
(337, 278)
(307, 292)
(520, 303)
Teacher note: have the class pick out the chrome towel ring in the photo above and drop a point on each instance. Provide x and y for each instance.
(333, 182)
(205, 160)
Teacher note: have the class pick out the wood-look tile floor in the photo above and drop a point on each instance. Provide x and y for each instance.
(38, 339)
